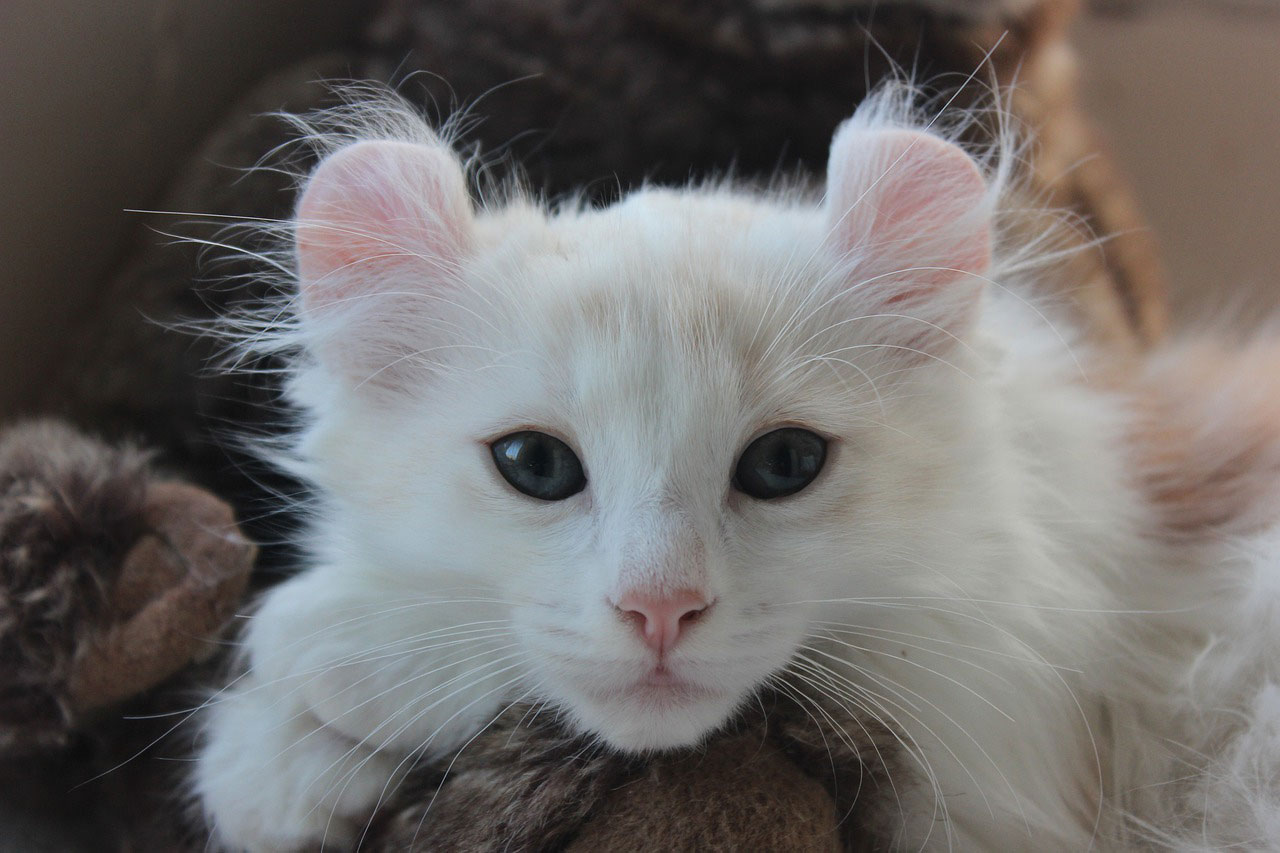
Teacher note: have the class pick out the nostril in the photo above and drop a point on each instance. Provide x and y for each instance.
(694, 614)
(632, 615)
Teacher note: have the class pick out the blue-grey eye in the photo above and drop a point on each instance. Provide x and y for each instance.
(540, 465)
(780, 463)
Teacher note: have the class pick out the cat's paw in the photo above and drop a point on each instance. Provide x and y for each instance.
(271, 777)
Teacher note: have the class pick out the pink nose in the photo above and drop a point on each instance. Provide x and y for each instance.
(661, 618)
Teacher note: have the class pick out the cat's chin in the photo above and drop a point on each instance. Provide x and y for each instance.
(642, 719)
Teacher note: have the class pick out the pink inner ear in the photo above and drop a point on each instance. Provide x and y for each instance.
(904, 199)
(376, 211)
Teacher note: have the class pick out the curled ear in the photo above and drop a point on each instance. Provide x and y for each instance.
(381, 231)
(910, 215)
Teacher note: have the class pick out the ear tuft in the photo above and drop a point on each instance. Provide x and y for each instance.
(910, 217)
(908, 200)
(381, 229)
(376, 207)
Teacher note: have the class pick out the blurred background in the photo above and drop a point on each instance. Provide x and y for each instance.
(1188, 96)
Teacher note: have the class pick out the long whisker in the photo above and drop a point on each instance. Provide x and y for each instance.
(911, 708)
(888, 634)
(343, 781)
(832, 684)
(835, 684)
(417, 676)
(800, 700)
(932, 671)
(448, 769)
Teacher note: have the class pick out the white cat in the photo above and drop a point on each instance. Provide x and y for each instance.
(635, 461)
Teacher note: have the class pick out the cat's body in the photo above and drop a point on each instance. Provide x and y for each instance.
(985, 562)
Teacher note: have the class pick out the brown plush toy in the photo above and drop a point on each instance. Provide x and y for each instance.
(777, 780)
(111, 580)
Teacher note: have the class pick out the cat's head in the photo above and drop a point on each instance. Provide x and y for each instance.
(666, 433)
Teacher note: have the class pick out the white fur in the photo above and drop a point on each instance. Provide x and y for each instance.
(972, 568)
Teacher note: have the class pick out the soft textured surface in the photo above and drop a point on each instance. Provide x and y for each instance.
(69, 509)
(526, 784)
(110, 580)
(683, 804)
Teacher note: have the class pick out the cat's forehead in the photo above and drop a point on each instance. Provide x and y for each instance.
(660, 321)
(703, 273)
(665, 286)
(633, 366)
(659, 244)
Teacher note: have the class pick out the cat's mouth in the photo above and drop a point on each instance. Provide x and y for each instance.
(660, 683)
(640, 706)
(662, 676)
(654, 713)
(657, 687)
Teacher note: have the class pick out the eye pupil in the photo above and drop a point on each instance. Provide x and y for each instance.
(780, 463)
(539, 465)
(784, 462)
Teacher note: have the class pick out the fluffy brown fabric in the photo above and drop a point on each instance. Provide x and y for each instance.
(774, 781)
(517, 787)
(69, 509)
(110, 580)
(741, 793)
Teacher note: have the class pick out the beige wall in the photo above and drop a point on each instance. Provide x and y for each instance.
(98, 101)
(1189, 95)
